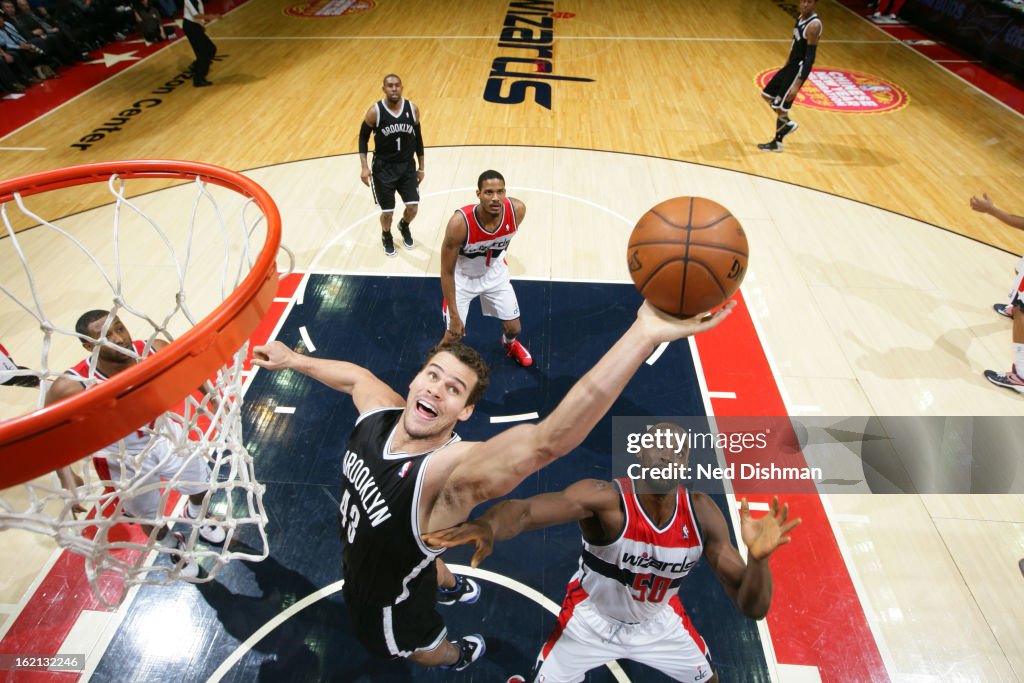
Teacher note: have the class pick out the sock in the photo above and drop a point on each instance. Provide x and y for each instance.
(1018, 359)
(194, 510)
(505, 340)
(402, 223)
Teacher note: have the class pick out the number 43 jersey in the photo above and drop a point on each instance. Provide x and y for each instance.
(384, 559)
(633, 578)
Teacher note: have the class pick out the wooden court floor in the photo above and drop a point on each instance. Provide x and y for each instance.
(870, 282)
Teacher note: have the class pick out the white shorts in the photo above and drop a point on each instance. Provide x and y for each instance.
(137, 475)
(494, 287)
(1017, 292)
(667, 642)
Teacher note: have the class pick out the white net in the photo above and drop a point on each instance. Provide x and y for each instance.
(177, 498)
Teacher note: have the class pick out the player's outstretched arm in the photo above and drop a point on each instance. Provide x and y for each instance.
(749, 584)
(494, 467)
(62, 388)
(983, 204)
(509, 518)
(367, 391)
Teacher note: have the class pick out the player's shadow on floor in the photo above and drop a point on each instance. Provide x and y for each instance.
(834, 154)
(317, 642)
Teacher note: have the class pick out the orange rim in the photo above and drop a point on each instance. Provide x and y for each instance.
(60, 434)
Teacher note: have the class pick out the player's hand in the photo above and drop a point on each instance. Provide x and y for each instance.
(364, 175)
(476, 532)
(419, 176)
(455, 332)
(662, 327)
(983, 203)
(764, 535)
(273, 356)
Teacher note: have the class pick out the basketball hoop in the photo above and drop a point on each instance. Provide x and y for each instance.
(156, 391)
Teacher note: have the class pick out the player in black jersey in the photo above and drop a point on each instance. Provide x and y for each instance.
(405, 471)
(786, 83)
(395, 124)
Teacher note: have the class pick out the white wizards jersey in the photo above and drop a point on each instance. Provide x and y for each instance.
(484, 249)
(633, 578)
(134, 442)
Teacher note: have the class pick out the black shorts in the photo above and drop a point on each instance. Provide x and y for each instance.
(398, 630)
(387, 178)
(783, 80)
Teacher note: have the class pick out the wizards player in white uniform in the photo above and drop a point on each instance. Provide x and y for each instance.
(145, 456)
(639, 540)
(473, 264)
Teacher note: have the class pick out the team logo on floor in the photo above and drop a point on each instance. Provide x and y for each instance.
(844, 91)
(325, 9)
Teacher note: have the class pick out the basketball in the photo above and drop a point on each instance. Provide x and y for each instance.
(687, 255)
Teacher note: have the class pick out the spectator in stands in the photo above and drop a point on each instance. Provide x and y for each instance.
(14, 73)
(39, 31)
(888, 8)
(150, 22)
(14, 43)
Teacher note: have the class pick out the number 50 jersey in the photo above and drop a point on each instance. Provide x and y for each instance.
(633, 578)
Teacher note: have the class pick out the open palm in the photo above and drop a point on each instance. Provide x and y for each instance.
(763, 535)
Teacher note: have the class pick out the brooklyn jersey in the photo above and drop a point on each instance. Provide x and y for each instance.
(483, 248)
(394, 137)
(798, 52)
(635, 576)
(384, 559)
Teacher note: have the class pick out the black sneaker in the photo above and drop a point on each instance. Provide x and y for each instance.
(1005, 310)
(403, 228)
(389, 243)
(465, 590)
(472, 648)
(773, 146)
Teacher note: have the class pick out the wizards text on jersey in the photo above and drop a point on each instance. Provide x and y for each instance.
(356, 471)
(528, 26)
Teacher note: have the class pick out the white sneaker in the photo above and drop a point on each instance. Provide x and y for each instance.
(184, 567)
(210, 531)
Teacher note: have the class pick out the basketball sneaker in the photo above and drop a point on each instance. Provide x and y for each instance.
(389, 243)
(187, 569)
(773, 146)
(519, 679)
(465, 590)
(787, 128)
(518, 353)
(403, 228)
(1005, 310)
(1008, 380)
(471, 648)
(209, 530)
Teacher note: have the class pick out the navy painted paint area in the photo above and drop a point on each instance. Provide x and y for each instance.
(388, 324)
